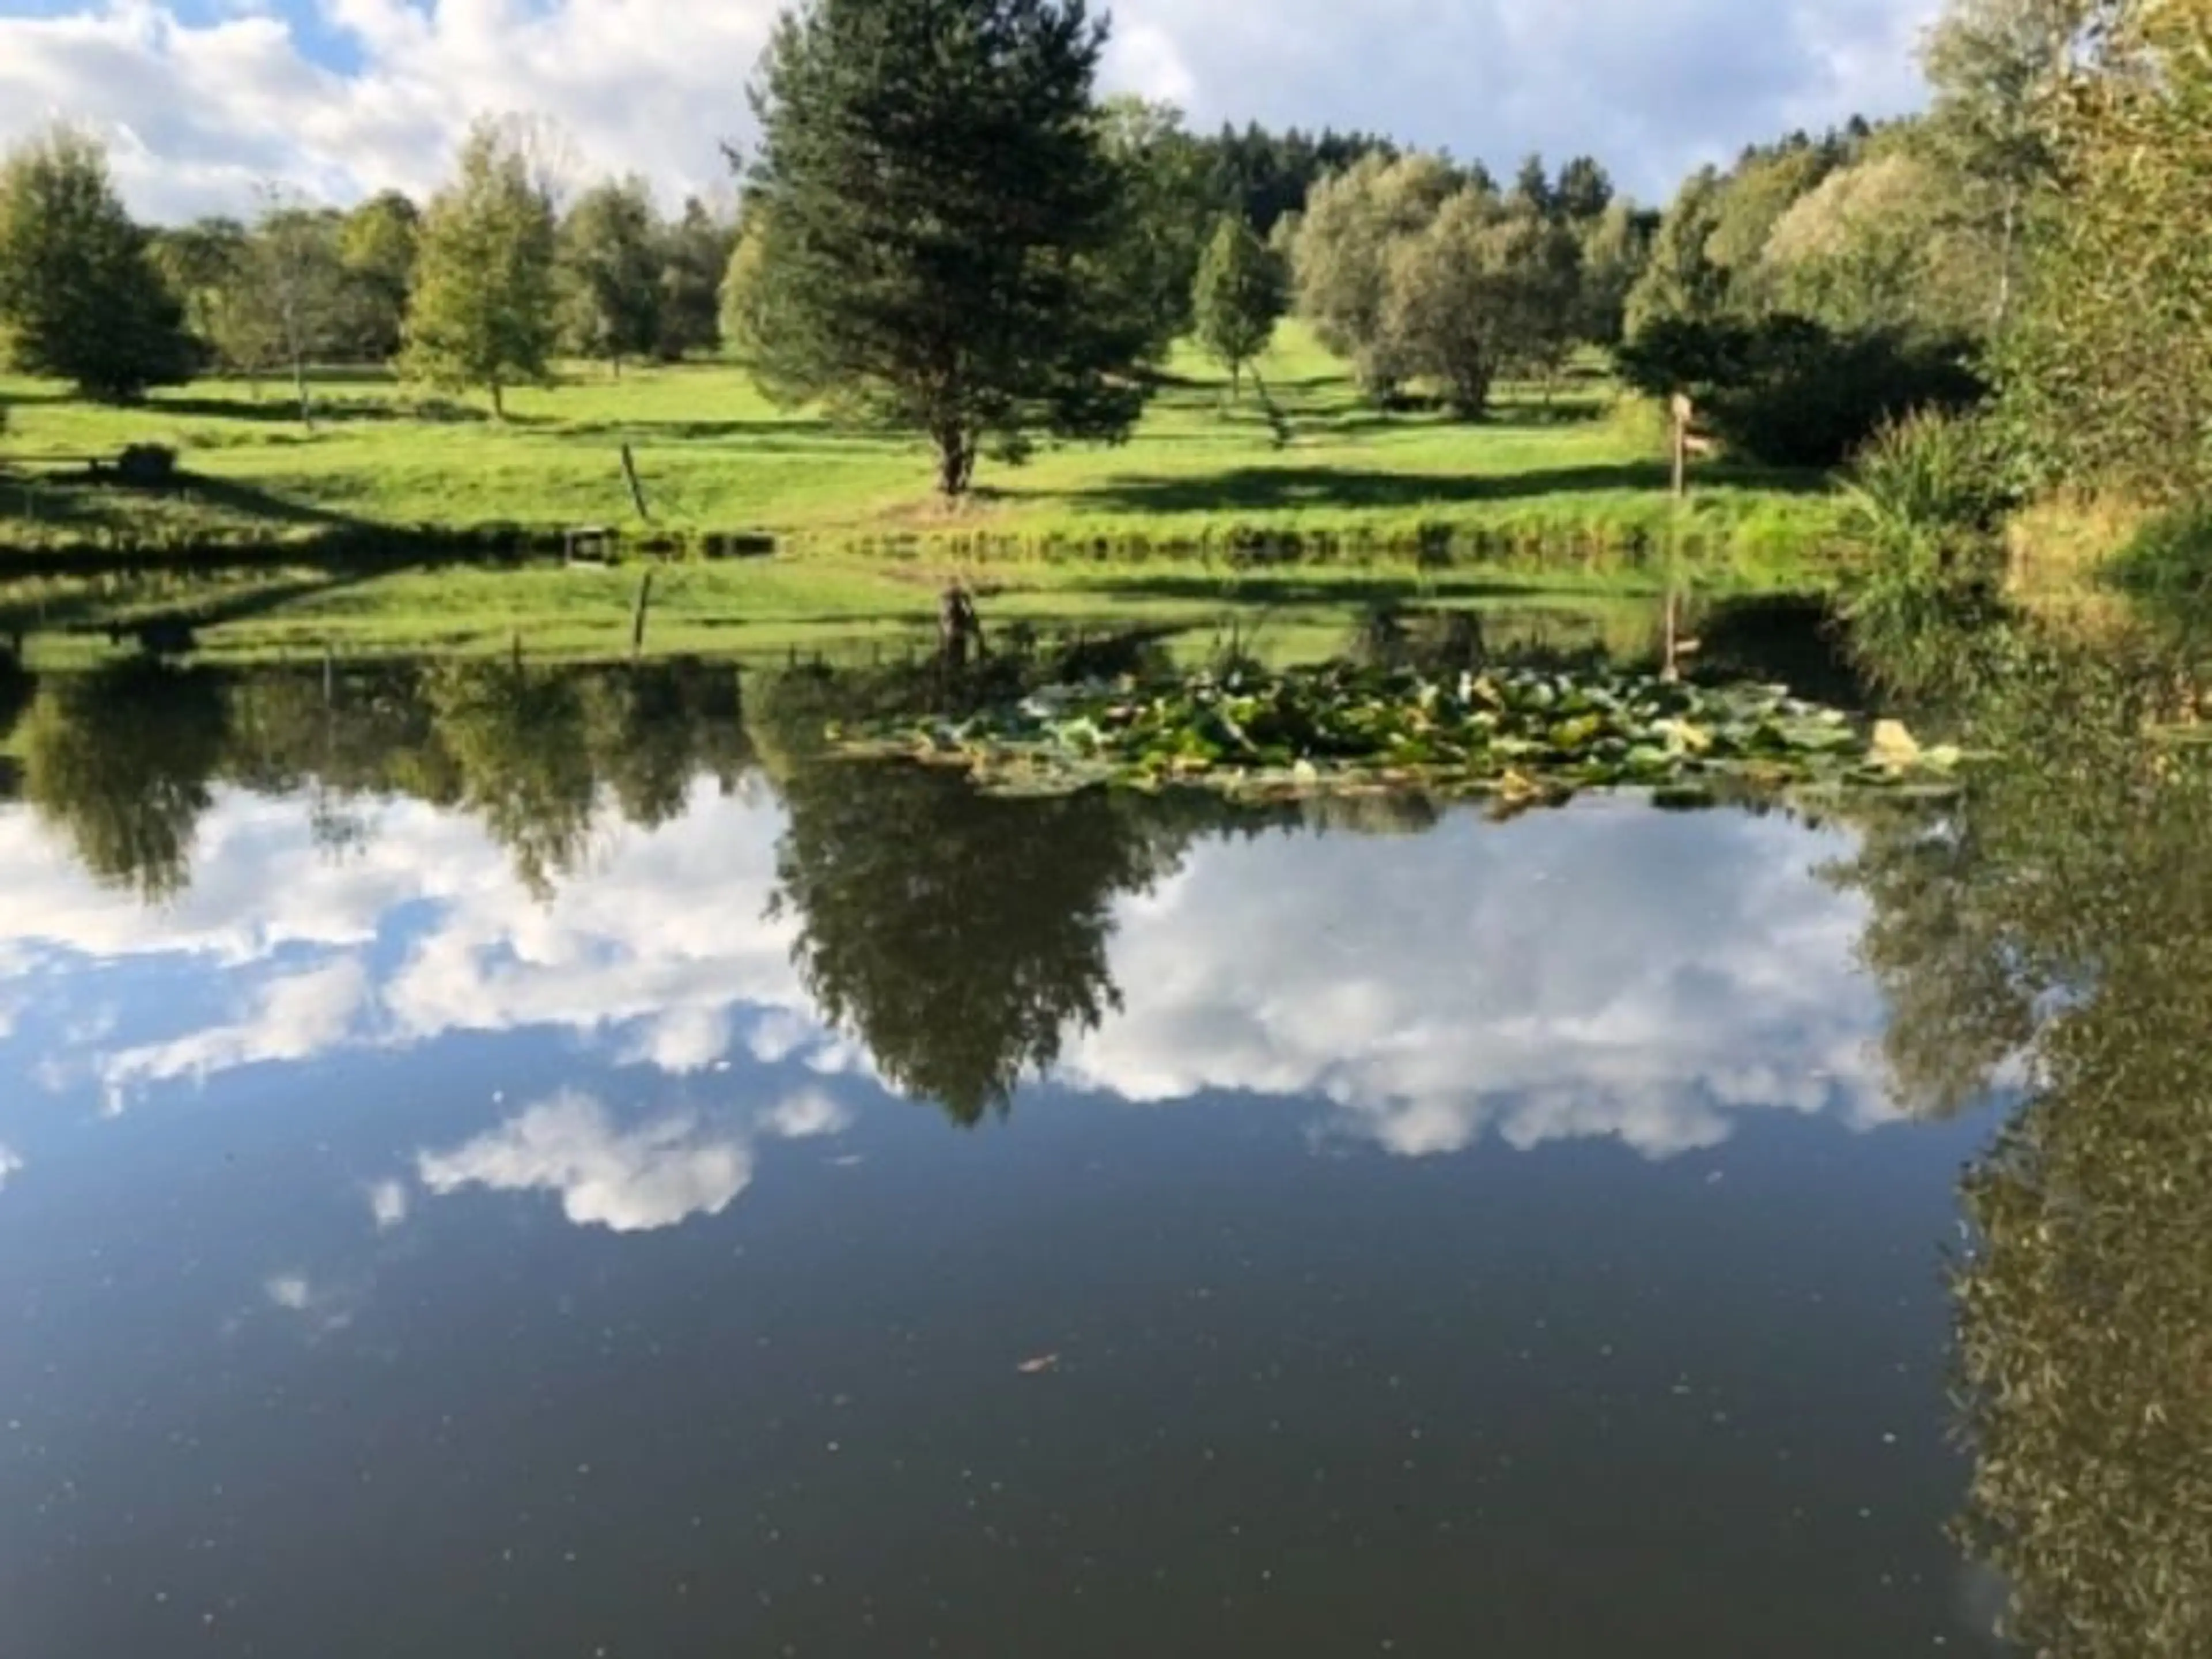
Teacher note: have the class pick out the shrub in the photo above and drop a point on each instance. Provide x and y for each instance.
(1790, 391)
(1925, 510)
(2171, 556)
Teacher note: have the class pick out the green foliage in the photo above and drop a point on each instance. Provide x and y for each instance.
(377, 246)
(1879, 245)
(610, 264)
(483, 313)
(200, 263)
(960, 940)
(938, 211)
(2108, 370)
(2171, 556)
(695, 253)
(2039, 929)
(1152, 261)
(1520, 735)
(1238, 298)
(1341, 264)
(1616, 247)
(1481, 290)
(119, 761)
(80, 299)
(1790, 392)
(2000, 70)
(1925, 513)
(1263, 177)
(1679, 281)
(294, 277)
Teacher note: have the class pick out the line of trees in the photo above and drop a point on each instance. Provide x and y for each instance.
(945, 230)
(478, 289)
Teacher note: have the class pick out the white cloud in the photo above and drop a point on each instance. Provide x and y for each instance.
(11, 1165)
(637, 1180)
(200, 110)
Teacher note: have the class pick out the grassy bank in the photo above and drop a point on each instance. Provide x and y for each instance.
(766, 608)
(386, 472)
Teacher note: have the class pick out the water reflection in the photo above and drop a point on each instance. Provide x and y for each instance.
(2055, 930)
(727, 953)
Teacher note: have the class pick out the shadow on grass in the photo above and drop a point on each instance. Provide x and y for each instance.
(1261, 489)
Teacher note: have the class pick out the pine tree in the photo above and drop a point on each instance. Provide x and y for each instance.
(939, 214)
(1238, 298)
(80, 298)
(483, 312)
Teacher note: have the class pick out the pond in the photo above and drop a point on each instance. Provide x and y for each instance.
(543, 1163)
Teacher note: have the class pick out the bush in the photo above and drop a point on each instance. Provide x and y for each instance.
(2171, 556)
(1926, 512)
(1790, 391)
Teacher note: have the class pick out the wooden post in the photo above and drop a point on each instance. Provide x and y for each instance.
(637, 622)
(330, 675)
(636, 489)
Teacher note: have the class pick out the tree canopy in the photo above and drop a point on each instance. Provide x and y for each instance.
(80, 298)
(1238, 298)
(483, 313)
(938, 213)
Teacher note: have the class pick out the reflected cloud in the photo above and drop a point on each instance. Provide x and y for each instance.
(388, 1205)
(639, 1180)
(810, 1115)
(324, 1309)
(1600, 973)
(296, 1018)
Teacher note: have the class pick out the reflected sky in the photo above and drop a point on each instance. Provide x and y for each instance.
(402, 1256)
(1604, 972)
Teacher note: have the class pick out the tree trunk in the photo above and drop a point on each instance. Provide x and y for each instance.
(498, 402)
(1236, 382)
(955, 462)
(300, 392)
(2004, 257)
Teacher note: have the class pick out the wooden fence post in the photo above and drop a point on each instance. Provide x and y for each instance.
(636, 489)
(637, 621)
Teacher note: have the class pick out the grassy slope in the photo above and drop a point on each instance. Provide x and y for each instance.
(717, 458)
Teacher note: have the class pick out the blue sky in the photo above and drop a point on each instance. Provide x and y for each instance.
(204, 100)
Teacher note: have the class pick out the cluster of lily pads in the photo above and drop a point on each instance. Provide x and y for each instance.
(1520, 735)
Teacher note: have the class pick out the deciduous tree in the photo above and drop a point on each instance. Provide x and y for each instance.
(483, 311)
(80, 297)
(1238, 298)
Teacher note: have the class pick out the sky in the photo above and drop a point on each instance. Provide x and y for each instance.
(201, 101)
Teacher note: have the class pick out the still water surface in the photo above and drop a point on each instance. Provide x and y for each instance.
(792, 1212)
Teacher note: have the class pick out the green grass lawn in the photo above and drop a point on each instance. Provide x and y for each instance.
(1199, 473)
(283, 541)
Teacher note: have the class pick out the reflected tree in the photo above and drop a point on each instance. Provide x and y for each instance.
(654, 729)
(515, 736)
(2059, 918)
(120, 761)
(960, 938)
